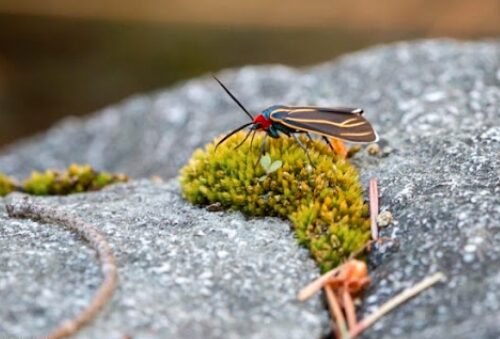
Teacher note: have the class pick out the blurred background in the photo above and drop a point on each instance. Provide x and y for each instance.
(60, 57)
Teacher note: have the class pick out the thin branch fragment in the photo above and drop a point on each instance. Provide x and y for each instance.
(336, 312)
(349, 309)
(373, 197)
(317, 284)
(22, 206)
(396, 301)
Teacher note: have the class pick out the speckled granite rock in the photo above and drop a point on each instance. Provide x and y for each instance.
(183, 272)
(436, 104)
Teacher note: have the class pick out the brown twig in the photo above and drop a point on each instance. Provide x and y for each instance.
(22, 206)
(349, 309)
(373, 198)
(395, 302)
(336, 312)
(317, 284)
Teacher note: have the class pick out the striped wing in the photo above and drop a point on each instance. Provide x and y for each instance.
(342, 123)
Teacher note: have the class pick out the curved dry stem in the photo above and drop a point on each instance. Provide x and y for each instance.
(22, 206)
(396, 301)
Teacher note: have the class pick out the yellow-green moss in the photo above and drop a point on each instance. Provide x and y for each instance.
(7, 185)
(76, 178)
(324, 202)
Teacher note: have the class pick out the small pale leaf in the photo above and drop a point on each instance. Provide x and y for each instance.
(275, 166)
(265, 161)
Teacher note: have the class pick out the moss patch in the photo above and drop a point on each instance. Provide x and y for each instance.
(7, 185)
(76, 178)
(324, 203)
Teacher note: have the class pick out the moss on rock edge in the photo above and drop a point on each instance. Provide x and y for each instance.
(7, 185)
(324, 204)
(75, 179)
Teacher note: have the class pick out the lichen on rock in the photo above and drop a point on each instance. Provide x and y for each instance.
(324, 202)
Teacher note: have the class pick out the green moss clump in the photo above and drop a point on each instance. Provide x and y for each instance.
(324, 202)
(7, 185)
(76, 178)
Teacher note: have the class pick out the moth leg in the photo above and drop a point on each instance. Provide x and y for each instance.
(309, 136)
(328, 142)
(303, 148)
(251, 140)
(244, 139)
(262, 149)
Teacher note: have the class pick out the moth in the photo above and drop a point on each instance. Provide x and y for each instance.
(342, 123)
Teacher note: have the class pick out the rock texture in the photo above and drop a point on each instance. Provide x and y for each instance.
(436, 105)
(184, 272)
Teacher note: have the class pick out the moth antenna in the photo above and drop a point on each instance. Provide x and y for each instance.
(233, 97)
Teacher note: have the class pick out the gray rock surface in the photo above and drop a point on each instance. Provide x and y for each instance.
(436, 104)
(183, 272)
